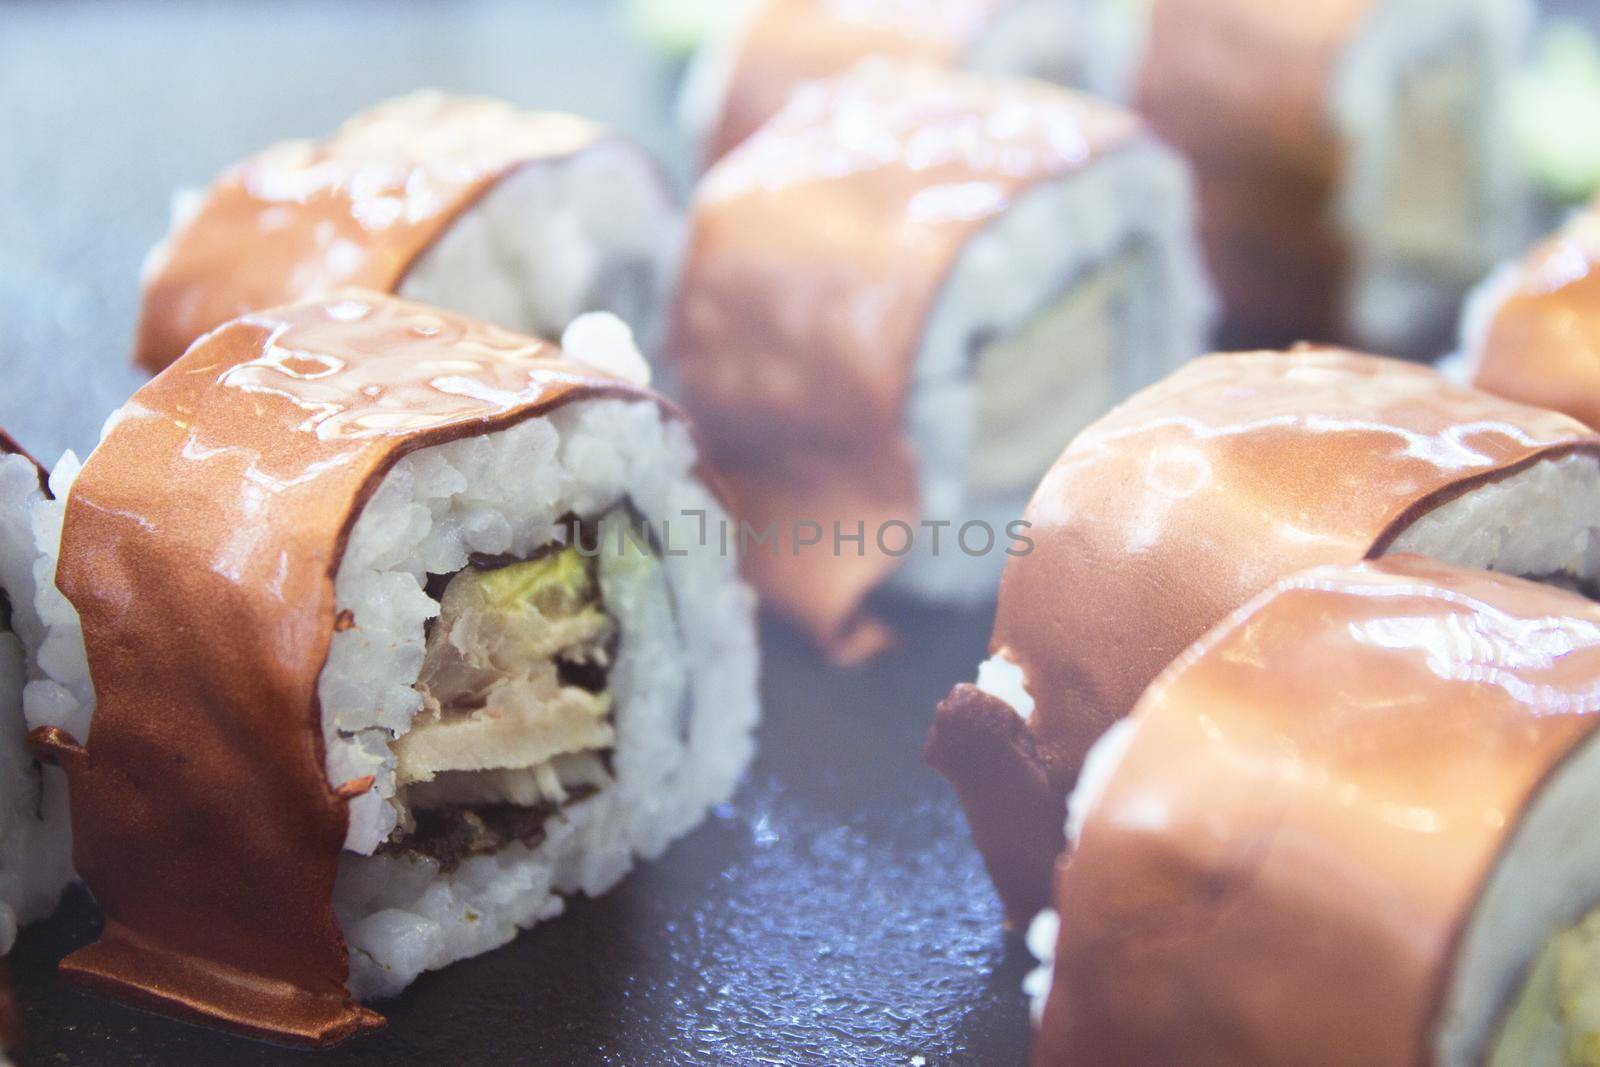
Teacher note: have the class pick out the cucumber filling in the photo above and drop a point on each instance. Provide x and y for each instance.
(1555, 1019)
(516, 718)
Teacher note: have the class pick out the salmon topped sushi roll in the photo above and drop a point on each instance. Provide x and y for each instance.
(1356, 161)
(523, 218)
(419, 648)
(1165, 516)
(901, 298)
(1354, 823)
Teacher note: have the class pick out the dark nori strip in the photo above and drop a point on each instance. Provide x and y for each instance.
(484, 561)
(434, 587)
(493, 561)
(590, 675)
(456, 833)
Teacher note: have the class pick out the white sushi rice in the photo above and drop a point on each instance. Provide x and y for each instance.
(683, 682)
(61, 695)
(1432, 194)
(1041, 940)
(35, 843)
(1542, 522)
(1121, 235)
(600, 230)
(1542, 883)
(1003, 679)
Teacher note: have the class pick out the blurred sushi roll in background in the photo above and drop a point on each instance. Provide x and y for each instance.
(35, 845)
(381, 654)
(1532, 331)
(1197, 494)
(1356, 163)
(1557, 105)
(743, 73)
(525, 219)
(901, 298)
(1353, 824)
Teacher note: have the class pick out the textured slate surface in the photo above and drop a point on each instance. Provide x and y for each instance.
(834, 912)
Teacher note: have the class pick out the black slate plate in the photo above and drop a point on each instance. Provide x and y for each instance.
(834, 912)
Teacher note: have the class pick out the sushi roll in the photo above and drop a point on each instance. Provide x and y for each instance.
(390, 638)
(741, 76)
(1354, 824)
(1354, 157)
(1532, 332)
(901, 298)
(35, 844)
(1197, 494)
(526, 219)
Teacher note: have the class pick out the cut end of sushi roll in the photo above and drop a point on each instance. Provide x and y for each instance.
(1532, 330)
(597, 231)
(741, 76)
(553, 700)
(1434, 192)
(1198, 493)
(1034, 336)
(527, 219)
(1006, 260)
(1358, 171)
(1528, 965)
(448, 654)
(1341, 829)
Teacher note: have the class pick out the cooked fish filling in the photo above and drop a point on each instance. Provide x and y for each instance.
(516, 714)
(1555, 1019)
(1066, 366)
(1428, 202)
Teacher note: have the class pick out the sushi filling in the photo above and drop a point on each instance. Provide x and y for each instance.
(516, 718)
(1065, 366)
(1429, 201)
(1555, 1018)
